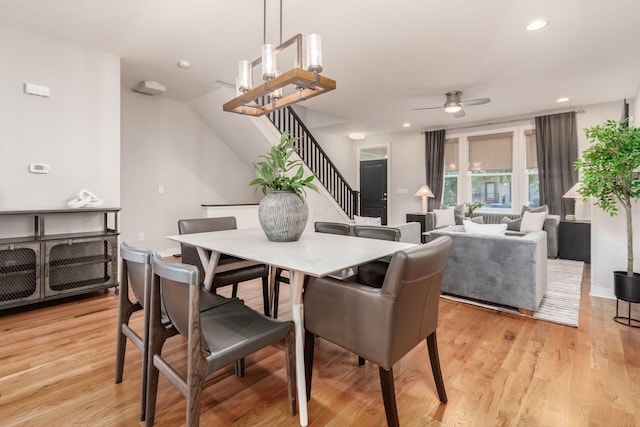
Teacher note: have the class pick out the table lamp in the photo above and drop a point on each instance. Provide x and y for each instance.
(572, 194)
(424, 192)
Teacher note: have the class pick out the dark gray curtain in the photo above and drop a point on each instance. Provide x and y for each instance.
(434, 162)
(557, 146)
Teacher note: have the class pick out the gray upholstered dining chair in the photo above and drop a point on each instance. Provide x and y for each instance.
(136, 281)
(383, 324)
(231, 277)
(215, 338)
(319, 227)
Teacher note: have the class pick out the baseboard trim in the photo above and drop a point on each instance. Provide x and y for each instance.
(602, 292)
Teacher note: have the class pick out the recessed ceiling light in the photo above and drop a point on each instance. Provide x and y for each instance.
(537, 25)
(563, 99)
(406, 125)
(356, 136)
(184, 64)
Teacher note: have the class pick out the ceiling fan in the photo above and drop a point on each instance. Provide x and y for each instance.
(454, 103)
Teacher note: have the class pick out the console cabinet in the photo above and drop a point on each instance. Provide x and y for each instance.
(38, 266)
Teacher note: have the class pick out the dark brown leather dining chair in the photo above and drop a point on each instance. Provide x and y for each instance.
(231, 277)
(382, 325)
(215, 338)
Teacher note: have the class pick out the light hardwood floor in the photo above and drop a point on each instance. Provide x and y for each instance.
(57, 368)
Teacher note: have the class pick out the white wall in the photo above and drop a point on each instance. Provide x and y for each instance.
(76, 131)
(608, 234)
(165, 143)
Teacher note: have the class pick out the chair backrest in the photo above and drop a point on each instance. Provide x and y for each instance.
(136, 270)
(332, 228)
(201, 225)
(178, 286)
(376, 232)
(413, 282)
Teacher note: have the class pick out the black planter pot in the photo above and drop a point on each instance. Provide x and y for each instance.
(626, 288)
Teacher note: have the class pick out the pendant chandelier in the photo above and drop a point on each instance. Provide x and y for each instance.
(298, 83)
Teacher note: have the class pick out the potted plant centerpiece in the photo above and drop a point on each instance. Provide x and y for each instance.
(611, 174)
(283, 212)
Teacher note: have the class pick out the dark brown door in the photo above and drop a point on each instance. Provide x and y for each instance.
(373, 189)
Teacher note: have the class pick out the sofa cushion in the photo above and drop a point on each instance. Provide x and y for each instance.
(458, 212)
(532, 221)
(512, 224)
(491, 229)
(444, 217)
(542, 208)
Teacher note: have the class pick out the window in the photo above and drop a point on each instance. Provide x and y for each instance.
(451, 172)
(491, 169)
(531, 169)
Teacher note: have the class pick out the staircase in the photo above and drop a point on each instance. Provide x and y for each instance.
(286, 120)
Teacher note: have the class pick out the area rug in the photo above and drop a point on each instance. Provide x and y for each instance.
(561, 302)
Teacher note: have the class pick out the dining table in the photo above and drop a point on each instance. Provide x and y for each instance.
(314, 254)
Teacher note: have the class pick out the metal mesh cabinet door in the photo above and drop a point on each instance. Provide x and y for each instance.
(19, 273)
(80, 265)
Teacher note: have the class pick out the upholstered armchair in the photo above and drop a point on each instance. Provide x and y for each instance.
(382, 325)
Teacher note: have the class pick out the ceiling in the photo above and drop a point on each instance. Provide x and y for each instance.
(387, 57)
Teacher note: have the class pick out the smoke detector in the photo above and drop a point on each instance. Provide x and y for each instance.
(149, 87)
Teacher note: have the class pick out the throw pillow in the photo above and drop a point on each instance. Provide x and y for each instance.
(366, 220)
(532, 221)
(542, 208)
(477, 219)
(490, 229)
(444, 217)
(512, 224)
(458, 212)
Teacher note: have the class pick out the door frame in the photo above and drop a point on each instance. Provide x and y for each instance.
(387, 146)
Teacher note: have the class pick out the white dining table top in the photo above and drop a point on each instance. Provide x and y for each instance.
(315, 254)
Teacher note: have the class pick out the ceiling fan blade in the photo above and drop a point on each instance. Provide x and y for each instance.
(477, 101)
(459, 114)
(426, 108)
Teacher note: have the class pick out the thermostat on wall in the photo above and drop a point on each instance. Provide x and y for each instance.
(38, 168)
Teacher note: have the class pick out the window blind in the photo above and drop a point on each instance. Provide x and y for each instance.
(491, 152)
(451, 155)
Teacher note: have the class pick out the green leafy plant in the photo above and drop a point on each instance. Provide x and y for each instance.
(611, 172)
(472, 206)
(274, 171)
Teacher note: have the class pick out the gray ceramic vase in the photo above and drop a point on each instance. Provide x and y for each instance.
(283, 216)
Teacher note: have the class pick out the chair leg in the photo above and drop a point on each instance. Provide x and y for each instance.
(361, 361)
(240, 368)
(155, 347)
(309, 342)
(276, 297)
(290, 360)
(121, 348)
(125, 310)
(194, 392)
(265, 295)
(432, 345)
(389, 396)
(234, 292)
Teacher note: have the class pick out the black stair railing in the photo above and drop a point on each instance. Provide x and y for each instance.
(286, 120)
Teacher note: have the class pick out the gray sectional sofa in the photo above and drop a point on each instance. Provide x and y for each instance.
(509, 270)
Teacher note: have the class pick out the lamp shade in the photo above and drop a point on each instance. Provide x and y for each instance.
(424, 191)
(573, 192)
